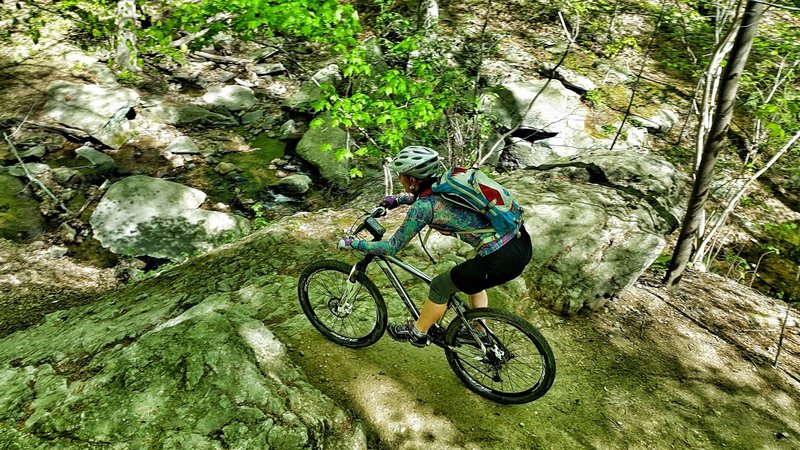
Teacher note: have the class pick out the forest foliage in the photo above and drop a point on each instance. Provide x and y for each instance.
(424, 85)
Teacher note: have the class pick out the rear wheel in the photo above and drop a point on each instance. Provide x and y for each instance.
(517, 365)
(357, 321)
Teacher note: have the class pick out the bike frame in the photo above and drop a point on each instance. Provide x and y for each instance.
(385, 263)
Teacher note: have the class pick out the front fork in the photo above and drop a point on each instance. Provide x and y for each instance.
(351, 287)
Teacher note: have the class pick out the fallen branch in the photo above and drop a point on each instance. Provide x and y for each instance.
(81, 135)
(223, 59)
(91, 200)
(30, 176)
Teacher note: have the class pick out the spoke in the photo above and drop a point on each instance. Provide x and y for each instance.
(327, 285)
(519, 374)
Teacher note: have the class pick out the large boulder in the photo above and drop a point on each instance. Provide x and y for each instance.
(544, 107)
(99, 111)
(310, 149)
(598, 220)
(141, 215)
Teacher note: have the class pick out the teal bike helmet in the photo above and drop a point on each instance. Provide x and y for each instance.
(416, 161)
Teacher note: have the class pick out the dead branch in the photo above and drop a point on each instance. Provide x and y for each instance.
(223, 59)
(91, 200)
(30, 176)
(71, 132)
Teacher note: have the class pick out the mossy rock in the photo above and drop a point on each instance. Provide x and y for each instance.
(20, 218)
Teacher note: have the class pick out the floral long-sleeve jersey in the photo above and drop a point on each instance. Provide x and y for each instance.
(442, 216)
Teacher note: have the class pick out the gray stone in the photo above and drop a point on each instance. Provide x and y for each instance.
(556, 110)
(637, 138)
(190, 115)
(661, 122)
(291, 130)
(570, 79)
(97, 110)
(98, 160)
(520, 154)
(224, 168)
(309, 148)
(141, 215)
(33, 168)
(37, 152)
(268, 69)
(600, 219)
(252, 117)
(57, 251)
(311, 91)
(293, 184)
(232, 97)
(64, 174)
(183, 145)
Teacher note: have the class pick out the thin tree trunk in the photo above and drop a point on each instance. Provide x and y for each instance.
(735, 200)
(723, 114)
(126, 36)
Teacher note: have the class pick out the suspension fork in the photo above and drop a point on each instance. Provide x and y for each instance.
(351, 287)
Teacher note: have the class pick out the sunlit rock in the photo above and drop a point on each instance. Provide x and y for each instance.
(99, 111)
(141, 215)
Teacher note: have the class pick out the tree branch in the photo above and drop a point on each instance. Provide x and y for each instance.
(30, 176)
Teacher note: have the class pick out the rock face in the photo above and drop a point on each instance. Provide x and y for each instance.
(597, 220)
(556, 110)
(162, 371)
(141, 215)
(99, 111)
(551, 121)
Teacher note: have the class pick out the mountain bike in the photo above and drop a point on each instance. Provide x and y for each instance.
(495, 353)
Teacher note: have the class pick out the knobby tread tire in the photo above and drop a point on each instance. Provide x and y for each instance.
(546, 353)
(339, 266)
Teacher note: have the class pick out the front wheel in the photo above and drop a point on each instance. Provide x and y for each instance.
(513, 363)
(349, 315)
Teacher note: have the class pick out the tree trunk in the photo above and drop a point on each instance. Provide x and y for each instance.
(126, 36)
(716, 135)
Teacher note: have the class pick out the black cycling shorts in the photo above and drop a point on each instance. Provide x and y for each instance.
(496, 268)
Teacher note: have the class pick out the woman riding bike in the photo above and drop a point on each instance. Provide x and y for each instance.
(497, 260)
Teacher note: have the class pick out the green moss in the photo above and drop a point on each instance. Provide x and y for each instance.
(20, 218)
(254, 173)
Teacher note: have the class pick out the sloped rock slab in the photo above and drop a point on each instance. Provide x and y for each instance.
(99, 111)
(141, 215)
(161, 371)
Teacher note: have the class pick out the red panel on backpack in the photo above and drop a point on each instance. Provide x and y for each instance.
(491, 194)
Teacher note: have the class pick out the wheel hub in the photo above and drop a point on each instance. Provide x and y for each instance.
(339, 309)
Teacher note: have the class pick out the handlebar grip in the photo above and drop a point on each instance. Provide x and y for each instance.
(380, 211)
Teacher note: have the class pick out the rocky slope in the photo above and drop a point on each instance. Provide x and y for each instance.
(215, 353)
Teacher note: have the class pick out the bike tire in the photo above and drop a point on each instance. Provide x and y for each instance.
(530, 358)
(320, 289)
